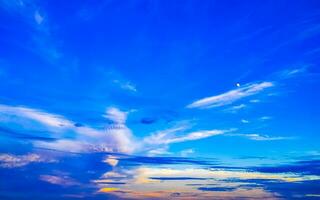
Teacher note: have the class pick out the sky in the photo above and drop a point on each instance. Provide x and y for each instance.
(159, 99)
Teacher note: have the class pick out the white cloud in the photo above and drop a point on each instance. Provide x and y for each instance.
(195, 136)
(244, 121)
(116, 137)
(113, 174)
(159, 151)
(67, 145)
(112, 139)
(13, 161)
(129, 86)
(231, 96)
(44, 118)
(258, 137)
(58, 180)
(236, 108)
(160, 136)
(38, 18)
(170, 136)
(254, 101)
(186, 152)
(125, 85)
(264, 118)
(111, 160)
(115, 115)
(290, 73)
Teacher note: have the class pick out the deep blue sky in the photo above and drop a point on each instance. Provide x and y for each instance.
(87, 86)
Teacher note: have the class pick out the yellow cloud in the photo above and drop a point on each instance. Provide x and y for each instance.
(106, 189)
(111, 160)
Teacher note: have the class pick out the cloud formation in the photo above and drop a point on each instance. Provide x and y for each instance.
(116, 137)
(115, 115)
(38, 18)
(195, 182)
(58, 122)
(258, 137)
(169, 136)
(58, 180)
(14, 161)
(231, 96)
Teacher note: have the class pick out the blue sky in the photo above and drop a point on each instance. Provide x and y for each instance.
(159, 99)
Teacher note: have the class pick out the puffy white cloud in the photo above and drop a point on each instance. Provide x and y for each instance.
(244, 121)
(115, 115)
(231, 96)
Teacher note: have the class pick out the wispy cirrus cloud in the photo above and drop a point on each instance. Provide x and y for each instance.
(125, 85)
(170, 135)
(236, 108)
(14, 161)
(58, 180)
(231, 96)
(118, 80)
(258, 137)
(159, 151)
(44, 118)
(291, 72)
(186, 152)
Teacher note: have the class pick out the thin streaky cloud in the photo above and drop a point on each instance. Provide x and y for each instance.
(231, 96)
(236, 108)
(14, 161)
(159, 151)
(125, 85)
(186, 152)
(58, 180)
(169, 136)
(47, 119)
(258, 137)
(291, 73)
